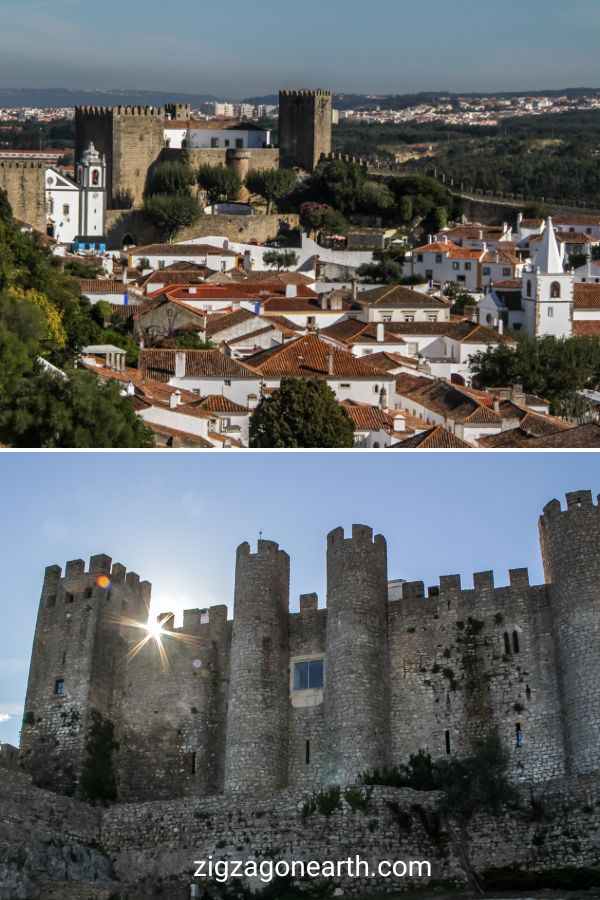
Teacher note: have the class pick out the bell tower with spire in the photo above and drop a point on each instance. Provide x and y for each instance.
(91, 179)
(547, 292)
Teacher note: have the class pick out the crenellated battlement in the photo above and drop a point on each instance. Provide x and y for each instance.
(15, 164)
(574, 500)
(361, 534)
(99, 565)
(112, 111)
(451, 585)
(305, 93)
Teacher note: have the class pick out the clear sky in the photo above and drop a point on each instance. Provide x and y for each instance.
(177, 519)
(239, 49)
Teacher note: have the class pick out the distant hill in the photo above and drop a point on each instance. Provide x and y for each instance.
(50, 98)
(405, 101)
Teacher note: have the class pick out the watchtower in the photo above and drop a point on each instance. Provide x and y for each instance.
(76, 650)
(356, 663)
(305, 122)
(256, 751)
(130, 138)
(570, 541)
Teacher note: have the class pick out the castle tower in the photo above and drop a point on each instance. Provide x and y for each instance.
(356, 662)
(75, 654)
(256, 751)
(305, 121)
(239, 162)
(91, 178)
(570, 542)
(548, 290)
(130, 138)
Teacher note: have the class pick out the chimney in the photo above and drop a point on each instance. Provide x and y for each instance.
(504, 227)
(323, 300)
(519, 219)
(180, 364)
(354, 288)
(430, 239)
(252, 401)
(383, 397)
(496, 405)
(291, 290)
(380, 332)
(192, 290)
(124, 275)
(518, 395)
(480, 235)
(500, 326)
(330, 363)
(175, 399)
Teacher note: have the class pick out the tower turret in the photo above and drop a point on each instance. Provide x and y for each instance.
(256, 753)
(305, 127)
(570, 541)
(76, 649)
(356, 663)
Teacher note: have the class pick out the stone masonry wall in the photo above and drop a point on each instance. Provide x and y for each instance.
(24, 184)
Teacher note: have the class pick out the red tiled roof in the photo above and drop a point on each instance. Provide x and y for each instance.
(590, 328)
(436, 438)
(368, 418)
(159, 365)
(102, 286)
(586, 296)
(312, 357)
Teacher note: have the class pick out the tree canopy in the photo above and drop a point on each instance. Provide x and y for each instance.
(172, 178)
(301, 414)
(272, 184)
(171, 212)
(219, 183)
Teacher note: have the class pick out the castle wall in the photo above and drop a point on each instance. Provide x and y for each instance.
(452, 679)
(171, 714)
(24, 184)
(307, 731)
(259, 157)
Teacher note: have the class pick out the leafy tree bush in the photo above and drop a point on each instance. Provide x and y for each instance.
(172, 178)
(51, 410)
(272, 184)
(171, 213)
(301, 414)
(219, 183)
(476, 782)
(22, 328)
(321, 218)
(554, 368)
(280, 259)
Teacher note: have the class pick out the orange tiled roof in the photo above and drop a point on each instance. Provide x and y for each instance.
(312, 357)
(436, 438)
(159, 365)
(586, 296)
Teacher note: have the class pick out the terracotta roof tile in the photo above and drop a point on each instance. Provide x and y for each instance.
(399, 297)
(159, 365)
(436, 438)
(586, 296)
(312, 357)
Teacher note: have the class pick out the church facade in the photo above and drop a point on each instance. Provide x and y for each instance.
(76, 208)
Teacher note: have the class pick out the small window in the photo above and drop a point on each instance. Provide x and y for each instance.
(214, 142)
(419, 257)
(51, 601)
(506, 272)
(227, 382)
(345, 386)
(519, 734)
(386, 317)
(161, 264)
(308, 675)
(555, 290)
(69, 598)
(588, 230)
(528, 693)
(59, 687)
(307, 753)
(467, 267)
(455, 266)
(239, 143)
(432, 317)
(515, 637)
(65, 209)
(438, 257)
(409, 318)
(506, 644)
(550, 312)
(486, 270)
(529, 288)
(88, 593)
(447, 742)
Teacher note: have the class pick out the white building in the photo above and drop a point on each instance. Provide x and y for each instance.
(77, 210)
(211, 135)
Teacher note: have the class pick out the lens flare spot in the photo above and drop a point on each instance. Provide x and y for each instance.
(103, 581)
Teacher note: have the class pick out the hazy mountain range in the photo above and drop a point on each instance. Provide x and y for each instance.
(66, 97)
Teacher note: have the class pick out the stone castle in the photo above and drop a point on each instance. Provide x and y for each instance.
(275, 700)
(131, 140)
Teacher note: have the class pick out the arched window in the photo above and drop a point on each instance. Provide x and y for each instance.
(529, 288)
(506, 643)
(515, 641)
(555, 290)
(95, 176)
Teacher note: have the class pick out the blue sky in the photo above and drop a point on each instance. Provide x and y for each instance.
(238, 49)
(177, 519)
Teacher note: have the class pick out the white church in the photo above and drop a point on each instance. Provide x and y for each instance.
(76, 209)
(542, 303)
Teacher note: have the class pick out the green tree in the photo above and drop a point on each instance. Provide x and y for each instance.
(219, 183)
(51, 410)
(319, 218)
(301, 414)
(5, 207)
(272, 184)
(172, 178)
(22, 329)
(280, 259)
(171, 213)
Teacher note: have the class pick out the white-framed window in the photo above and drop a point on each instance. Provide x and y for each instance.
(409, 317)
(486, 270)
(455, 266)
(506, 272)
(412, 349)
(432, 317)
(344, 385)
(309, 674)
(386, 317)
(227, 382)
(161, 264)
